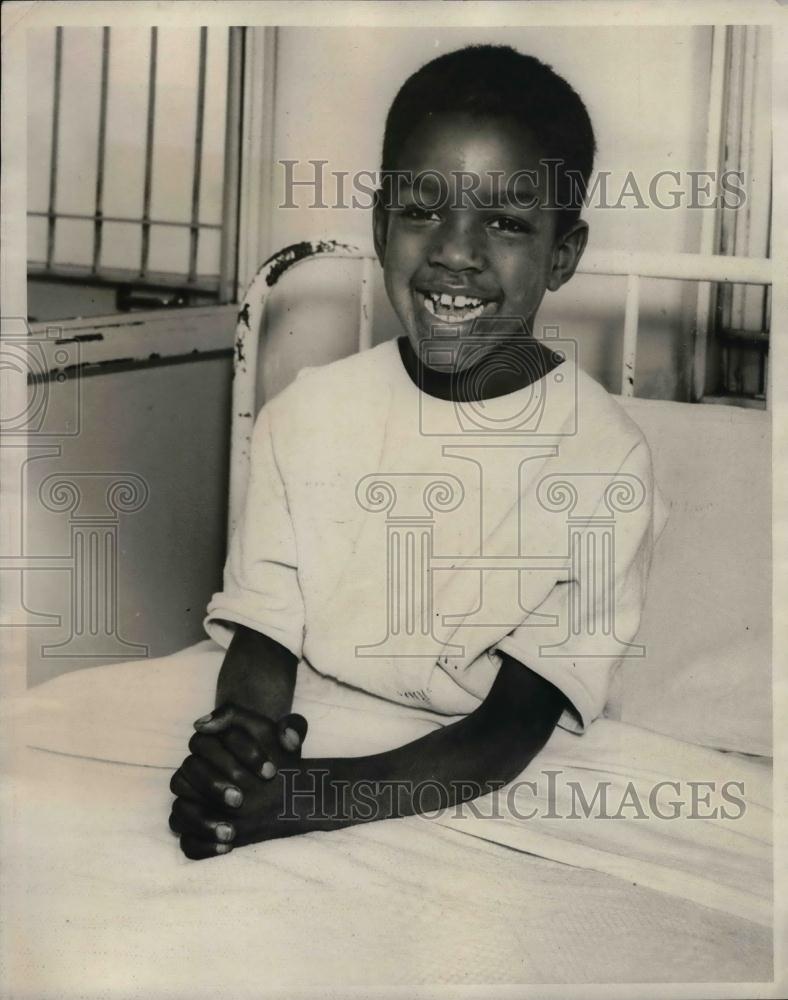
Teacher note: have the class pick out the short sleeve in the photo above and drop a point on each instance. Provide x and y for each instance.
(595, 611)
(260, 587)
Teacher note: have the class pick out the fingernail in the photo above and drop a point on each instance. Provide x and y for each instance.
(268, 770)
(233, 796)
(224, 832)
(223, 848)
(290, 739)
(205, 719)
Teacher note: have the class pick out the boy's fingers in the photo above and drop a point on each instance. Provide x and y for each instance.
(237, 755)
(215, 751)
(292, 731)
(197, 850)
(247, 738)
(244, 749)
(260, 728)
(217, 720)
(209, 782)
(262, 763)
(189, 818)
(263, 760)
(181, 788)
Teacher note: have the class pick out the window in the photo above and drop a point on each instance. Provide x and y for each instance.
(734, 332)
(133, 143)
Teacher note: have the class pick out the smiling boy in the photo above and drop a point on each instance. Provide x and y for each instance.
(396, 496)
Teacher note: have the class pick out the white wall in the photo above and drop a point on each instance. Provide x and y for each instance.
(647, 92)
(168, 425)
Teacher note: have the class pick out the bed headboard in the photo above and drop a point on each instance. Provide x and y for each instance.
(249, 329)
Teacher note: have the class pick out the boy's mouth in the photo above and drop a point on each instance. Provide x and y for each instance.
(453, 308)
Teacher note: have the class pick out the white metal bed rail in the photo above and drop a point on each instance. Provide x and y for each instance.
(633, 266)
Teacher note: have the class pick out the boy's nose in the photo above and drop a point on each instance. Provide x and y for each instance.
(458, 247)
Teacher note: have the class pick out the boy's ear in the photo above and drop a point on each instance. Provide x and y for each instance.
(566, 255)
(380, 225)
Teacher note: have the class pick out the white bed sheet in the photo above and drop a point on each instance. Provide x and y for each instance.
(103, 903)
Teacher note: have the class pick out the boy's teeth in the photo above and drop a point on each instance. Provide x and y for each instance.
(454, 309)
(455, 301)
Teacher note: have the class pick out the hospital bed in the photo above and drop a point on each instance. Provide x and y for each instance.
(102, 903)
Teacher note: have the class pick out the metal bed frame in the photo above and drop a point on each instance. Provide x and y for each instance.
(633, 266)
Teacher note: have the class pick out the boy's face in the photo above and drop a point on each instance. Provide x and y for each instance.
(479, 253)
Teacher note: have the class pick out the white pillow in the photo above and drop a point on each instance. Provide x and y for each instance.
(706, 626)
(710, 698)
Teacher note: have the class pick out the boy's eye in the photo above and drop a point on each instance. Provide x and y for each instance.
(419, 214)
(507, 224)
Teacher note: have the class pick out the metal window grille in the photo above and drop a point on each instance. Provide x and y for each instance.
(738, 341)
(212, 215)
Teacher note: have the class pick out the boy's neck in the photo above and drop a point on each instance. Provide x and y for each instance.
(464, 387)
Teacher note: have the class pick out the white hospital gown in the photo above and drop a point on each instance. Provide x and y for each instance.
(397, 541)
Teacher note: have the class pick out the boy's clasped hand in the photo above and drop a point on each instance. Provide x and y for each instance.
(230, 791)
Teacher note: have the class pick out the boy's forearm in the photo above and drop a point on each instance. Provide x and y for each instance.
(446, 767)
(462, 761)
(257, 673)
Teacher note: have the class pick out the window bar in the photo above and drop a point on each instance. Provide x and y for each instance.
(743, 296)
(88, 217)
(102, 143)
(83, 273)
(228, 255)
(733, 226)
(53, 154)
(766, 320)
(707, 292)
(149, 152)
(735, 113)
(198, 134)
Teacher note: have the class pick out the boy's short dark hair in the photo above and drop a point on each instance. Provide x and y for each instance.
(496, 81)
